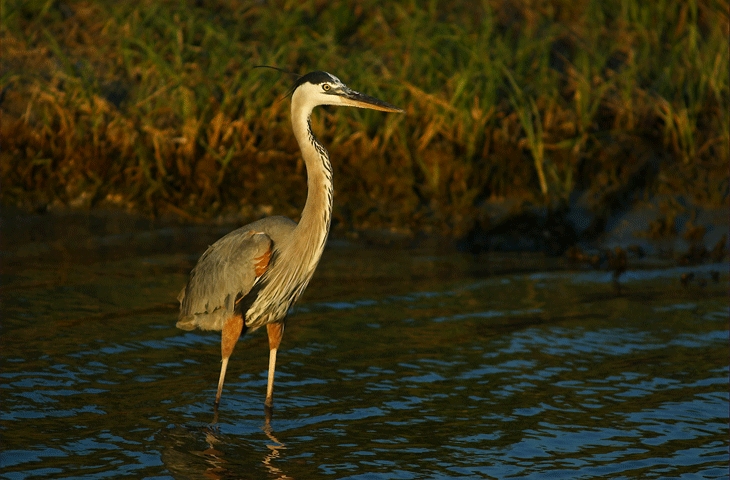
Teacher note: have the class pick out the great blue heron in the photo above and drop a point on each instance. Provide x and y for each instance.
(252, 276)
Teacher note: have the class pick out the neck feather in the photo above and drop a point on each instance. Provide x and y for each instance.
(315, 221)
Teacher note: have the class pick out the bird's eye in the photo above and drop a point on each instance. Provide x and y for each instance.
(326, 87)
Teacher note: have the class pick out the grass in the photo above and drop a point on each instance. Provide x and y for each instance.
(155, 107)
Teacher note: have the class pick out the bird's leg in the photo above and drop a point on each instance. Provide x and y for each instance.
(275, 331)
(229, 336)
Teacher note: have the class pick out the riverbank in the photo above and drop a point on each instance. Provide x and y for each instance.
(633, 239)
(154, 108)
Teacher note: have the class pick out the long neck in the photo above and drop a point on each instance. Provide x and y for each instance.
(314, 225)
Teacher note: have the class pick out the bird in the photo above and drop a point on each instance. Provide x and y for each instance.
(252, 276)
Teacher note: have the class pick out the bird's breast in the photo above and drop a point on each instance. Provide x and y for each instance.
(275, 293)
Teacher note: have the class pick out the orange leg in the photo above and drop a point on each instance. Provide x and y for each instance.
(229, 336)
(275, 331)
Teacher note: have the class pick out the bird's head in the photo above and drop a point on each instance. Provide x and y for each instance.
(322, 88)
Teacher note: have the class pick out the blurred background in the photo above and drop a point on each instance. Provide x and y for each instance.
(544, 120)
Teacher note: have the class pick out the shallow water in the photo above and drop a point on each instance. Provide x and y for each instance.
(395, 364)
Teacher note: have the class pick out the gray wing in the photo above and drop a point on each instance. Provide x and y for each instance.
(224, 273)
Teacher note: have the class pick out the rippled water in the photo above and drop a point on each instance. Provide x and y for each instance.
(395, 364)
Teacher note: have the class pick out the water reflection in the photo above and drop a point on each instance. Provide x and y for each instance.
(276, 448)
(219, 455)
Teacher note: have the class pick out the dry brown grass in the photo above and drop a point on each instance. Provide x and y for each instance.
(154, 107)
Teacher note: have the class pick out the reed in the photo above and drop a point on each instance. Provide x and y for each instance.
(155, 106)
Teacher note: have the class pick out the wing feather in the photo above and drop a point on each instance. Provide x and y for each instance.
(225, 272)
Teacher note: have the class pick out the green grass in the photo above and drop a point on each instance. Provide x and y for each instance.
(155, 106)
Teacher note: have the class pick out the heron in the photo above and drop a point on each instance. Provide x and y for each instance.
(252, 276)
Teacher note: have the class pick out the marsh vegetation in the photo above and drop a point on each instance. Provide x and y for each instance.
(153, 106)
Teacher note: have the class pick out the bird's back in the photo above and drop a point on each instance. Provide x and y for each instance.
(227, 271)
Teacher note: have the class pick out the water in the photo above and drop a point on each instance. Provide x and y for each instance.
(395, 364)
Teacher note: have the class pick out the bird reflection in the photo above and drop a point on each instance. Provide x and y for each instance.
(275, 451)
(216, 458)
